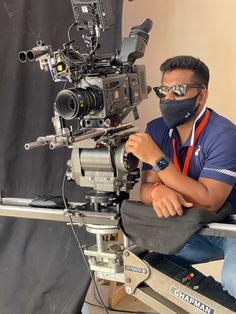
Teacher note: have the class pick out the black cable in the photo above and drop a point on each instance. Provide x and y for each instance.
(69, 39)
(95, 47)
(69, 29)
(79, 243)
(72, 57)
(95, 296)
(65, 85)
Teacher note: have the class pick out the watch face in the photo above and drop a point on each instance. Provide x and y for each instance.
(162, 163)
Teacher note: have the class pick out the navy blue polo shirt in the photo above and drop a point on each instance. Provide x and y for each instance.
(214, 154)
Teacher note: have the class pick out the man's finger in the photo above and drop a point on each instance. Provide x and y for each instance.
(157, 210)
(163, 204)
(165, 212)
(170, 207)
(135, 137)
(184, 202)
(177, 206)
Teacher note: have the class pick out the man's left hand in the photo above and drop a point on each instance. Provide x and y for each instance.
(143, 147)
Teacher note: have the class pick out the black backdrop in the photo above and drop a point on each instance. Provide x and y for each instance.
(41, 268)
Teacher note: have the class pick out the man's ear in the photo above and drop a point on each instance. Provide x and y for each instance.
(203, 97)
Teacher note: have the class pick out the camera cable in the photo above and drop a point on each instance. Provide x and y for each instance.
(69, 30)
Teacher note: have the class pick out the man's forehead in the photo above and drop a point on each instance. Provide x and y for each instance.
(177, 76)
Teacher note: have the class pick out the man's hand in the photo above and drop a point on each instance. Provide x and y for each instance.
(168, 202)
(143, 147)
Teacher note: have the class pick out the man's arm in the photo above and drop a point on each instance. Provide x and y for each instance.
(168, 201)
(206, 193)
(165, 201)
(148, 179)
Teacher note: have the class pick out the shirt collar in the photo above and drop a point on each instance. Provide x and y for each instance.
(190, 139)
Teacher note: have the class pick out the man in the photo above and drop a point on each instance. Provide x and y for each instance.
(189, 160)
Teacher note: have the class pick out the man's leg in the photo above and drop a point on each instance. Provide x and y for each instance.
(228, 273)
(198, 249)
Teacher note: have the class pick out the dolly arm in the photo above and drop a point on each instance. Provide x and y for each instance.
(161, 292)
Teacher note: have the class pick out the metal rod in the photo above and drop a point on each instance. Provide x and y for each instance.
(16, 201)
(35, 144)
(33, 213)
(19, 207)
(126, 242)
(88, 135)
(222, 226)
(81, 217)
(100, 246)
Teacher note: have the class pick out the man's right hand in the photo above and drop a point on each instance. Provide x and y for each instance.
(168, 202)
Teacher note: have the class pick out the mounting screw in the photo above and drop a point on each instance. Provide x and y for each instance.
(128, 290)
(127, 280)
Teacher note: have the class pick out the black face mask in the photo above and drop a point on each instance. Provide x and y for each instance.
(176, 112)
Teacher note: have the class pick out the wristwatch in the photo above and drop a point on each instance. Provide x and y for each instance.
(161, 164)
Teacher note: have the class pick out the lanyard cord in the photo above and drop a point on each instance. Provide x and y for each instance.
(190, 149)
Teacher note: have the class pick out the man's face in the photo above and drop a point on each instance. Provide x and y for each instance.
(181, 76)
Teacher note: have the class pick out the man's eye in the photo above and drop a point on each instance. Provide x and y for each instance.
(163, 91)
(178, 92)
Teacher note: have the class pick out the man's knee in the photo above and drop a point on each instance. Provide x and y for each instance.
(228, 279)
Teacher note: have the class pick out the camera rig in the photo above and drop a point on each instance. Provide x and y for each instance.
(88, 116)
(88, 119)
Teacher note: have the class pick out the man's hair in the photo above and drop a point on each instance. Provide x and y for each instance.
(200, 69)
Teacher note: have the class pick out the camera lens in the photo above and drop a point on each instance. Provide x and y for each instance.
(78, 102)
(22, 56)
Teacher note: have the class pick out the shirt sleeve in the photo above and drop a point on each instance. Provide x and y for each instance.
(220, 163)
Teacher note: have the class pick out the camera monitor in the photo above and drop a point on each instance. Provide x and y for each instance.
(91, 13)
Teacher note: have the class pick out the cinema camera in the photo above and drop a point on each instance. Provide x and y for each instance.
(88, 119)
(106, 88)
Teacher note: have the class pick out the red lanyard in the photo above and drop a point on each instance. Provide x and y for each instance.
(190, 149)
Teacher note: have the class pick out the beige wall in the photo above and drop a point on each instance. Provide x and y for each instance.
(202, 28)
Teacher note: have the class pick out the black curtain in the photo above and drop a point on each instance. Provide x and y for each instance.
(41, 267)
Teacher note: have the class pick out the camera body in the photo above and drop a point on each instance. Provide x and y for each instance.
(103, 101)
